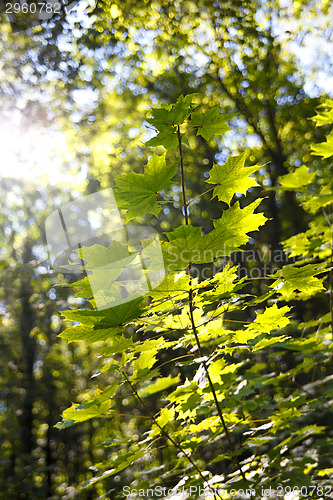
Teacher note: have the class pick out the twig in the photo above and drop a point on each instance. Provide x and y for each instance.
(191, 308)
(200, 195)
(164, 432)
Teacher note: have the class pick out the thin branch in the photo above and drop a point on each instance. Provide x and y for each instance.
(191, 355)
(326, 217)
(200, 195)
(185, 205)
(163, 431)
(191, 308)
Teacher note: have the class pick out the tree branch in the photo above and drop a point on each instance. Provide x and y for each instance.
(191, 308)
(164, 432)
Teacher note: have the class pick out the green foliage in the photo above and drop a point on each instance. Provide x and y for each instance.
(188, 245)
(324, 149)
(210, 123)
(231, 177)
(301, 177)
(324, 117)
(97, 407)
(137, 192)
(237, 54)
(302, 279)
(228, 384)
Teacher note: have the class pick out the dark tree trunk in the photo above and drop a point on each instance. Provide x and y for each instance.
(29, 353)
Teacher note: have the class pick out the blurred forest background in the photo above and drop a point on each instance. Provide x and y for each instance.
(74, 94)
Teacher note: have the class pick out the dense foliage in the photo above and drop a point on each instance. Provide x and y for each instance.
(242, 405)
(213, 132)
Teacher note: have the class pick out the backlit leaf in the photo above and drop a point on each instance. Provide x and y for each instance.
(172, 114)
(187, 244)
(301, 177)
(97, 407)
(137, 192)
(210, 123)
(89, 333)
(159, 385)
(231, 177)
(167, 415)
(167, 138)
(123, 461)
(324, 149)
(294, 278)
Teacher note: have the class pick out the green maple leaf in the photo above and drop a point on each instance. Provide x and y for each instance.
(115, 344)
(167, 138)
(224, 282)
(173, 285)
(145, 361)
(121, 314)
(324, 149)
(298, 278)
(266, 322)
(97, 407)
(296, 245)
(301, 177)
(137, 192)
(96, 326)
(161, 117)
(218, 369)
(89, 334)
(215, 370)
(210, 123)
(241, 220)
(267, 342)
(159, 385)
(182, 108)
(271, 319)
(231, 230)
(172, 114)
(188, 245)
(166, 119)
(166, 416)
(76, 414)
(237, 222)
(315, 202)
(119, 464)
(99, 255)
(231, 177)
(324, 117)
(185, 244)
(107, 318)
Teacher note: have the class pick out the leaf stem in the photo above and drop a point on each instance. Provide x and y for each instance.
(200, 195)
(191, 309)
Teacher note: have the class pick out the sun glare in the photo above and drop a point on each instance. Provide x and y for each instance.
(32, 154)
